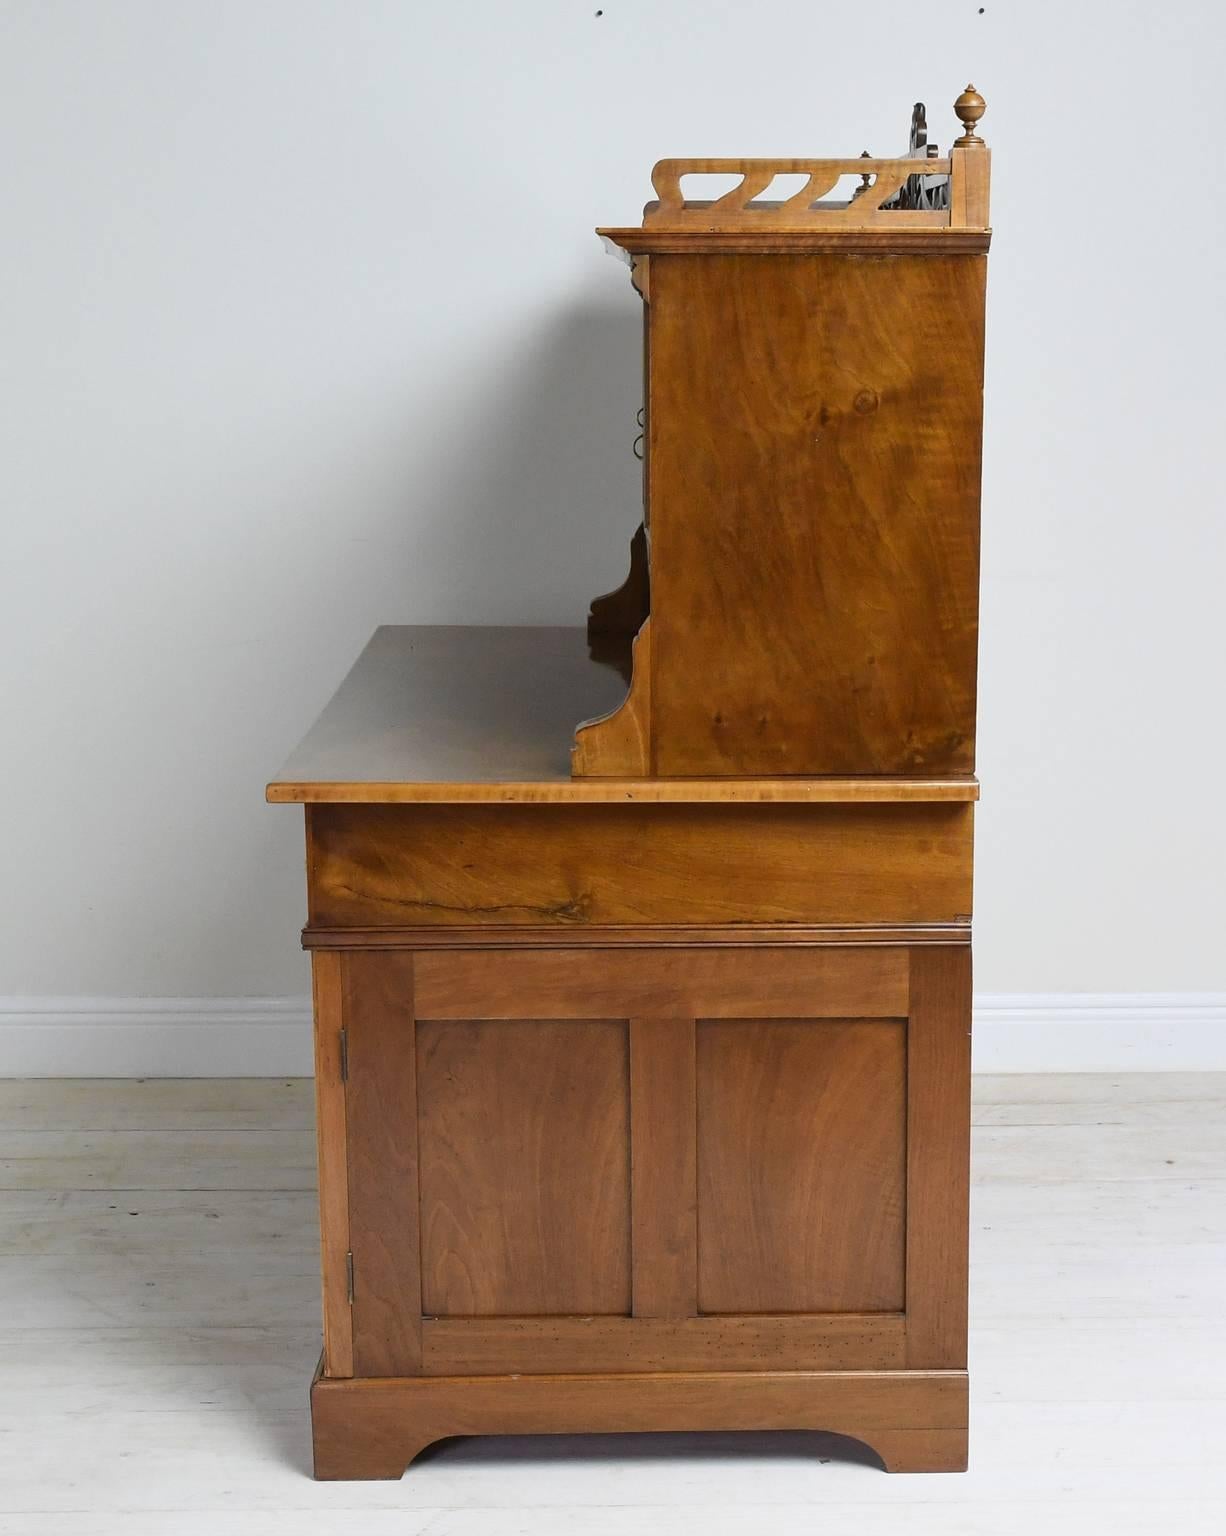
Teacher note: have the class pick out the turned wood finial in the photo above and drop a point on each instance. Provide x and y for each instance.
(970, 107)
(866, 180)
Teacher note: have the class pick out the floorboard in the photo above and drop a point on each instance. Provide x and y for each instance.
(158, 1324)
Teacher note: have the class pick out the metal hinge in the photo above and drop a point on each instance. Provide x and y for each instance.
(344, 1055)
(349, 1274)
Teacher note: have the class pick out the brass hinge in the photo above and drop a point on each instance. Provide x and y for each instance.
(344, 1055)
(349, 1274)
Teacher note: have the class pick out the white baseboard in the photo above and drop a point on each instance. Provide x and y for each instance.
(271, 1036)
(1100, 1032)
(155, 1037)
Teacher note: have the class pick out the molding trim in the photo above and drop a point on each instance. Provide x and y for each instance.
(271, 1036)
(155, 1037)
(630, 935)
(1100, 1032)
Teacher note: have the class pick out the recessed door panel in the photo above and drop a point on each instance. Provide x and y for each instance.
(524, 1148)
(801, 1165)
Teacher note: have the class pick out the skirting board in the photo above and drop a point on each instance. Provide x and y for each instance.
(271, 1036)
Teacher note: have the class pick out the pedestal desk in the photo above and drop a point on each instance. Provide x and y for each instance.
(642, 951)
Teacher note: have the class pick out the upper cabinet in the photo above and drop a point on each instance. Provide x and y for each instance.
(804, 597)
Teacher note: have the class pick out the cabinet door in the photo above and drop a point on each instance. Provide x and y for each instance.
(723, 1158)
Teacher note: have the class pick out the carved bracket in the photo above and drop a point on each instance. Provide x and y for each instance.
(618, 745)
(622, 611)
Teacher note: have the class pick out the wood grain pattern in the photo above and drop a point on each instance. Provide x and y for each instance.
(745, 207)
(443, 714)
(801, 1157)
(381, 1112)
(938, 1157)
(456, 705)
(815, 453)
(571, 866)
(327, 987)
(657, 1114)
(662, 1168)
(525, 1177)
(969, 186)
(709, 984)
(614, 790)
(618, 744)
(373, 1429)
(535, 1345)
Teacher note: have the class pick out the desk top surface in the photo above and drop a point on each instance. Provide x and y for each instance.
(459, 713)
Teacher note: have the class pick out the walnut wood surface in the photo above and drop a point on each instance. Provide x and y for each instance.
(490, 1346)
(571, 866)
(747, 206)
(657, 1109)
(801, 1152)
(638, 935)
(451, 705)
(814, 483)
(653, 1160)
(668, 1133)
(524, 1133)
(938, 1157)
(663, 1169)
(618, 745)
(381, 1112)
(619, 983)
(612, 789)
(644, 243)
(327, 976)
(444, 714)
(915, 1421)
(969, 195)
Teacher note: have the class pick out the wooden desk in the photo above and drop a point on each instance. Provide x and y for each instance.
(642, 954)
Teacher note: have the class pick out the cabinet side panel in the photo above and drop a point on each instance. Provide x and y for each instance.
(815, 471)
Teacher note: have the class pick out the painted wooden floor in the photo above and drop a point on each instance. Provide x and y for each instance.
(158, 1304)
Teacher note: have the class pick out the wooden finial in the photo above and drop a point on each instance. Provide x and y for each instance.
(866, 180)
(970, 107)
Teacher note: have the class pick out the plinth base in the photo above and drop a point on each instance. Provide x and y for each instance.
(373, 1427)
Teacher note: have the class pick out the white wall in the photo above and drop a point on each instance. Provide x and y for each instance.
(304, 329)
